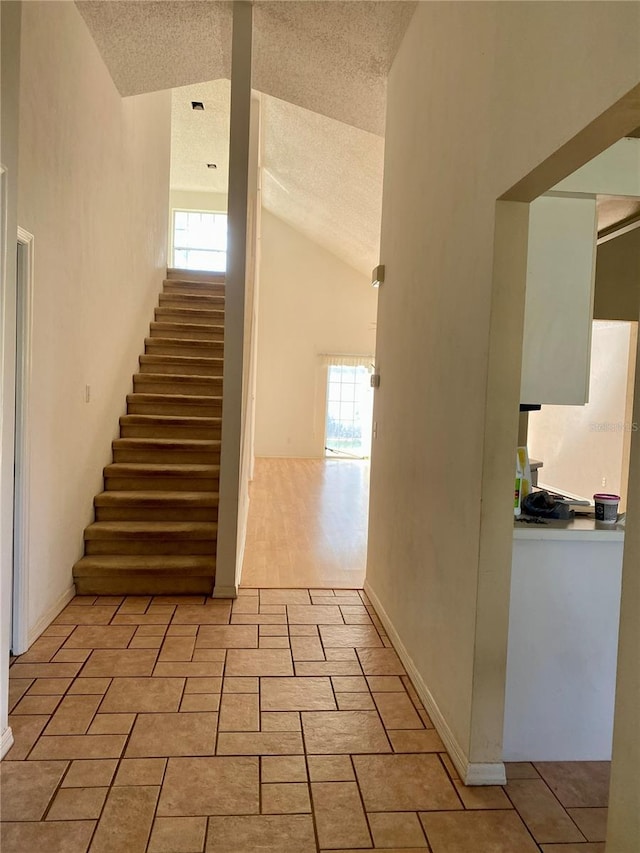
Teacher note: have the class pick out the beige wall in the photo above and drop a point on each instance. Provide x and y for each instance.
(459, 135)
(311, 302)
(94, 187)
(191, 200)
(617, 295)
(582, 447)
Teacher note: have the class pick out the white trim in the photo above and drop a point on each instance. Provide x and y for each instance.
(22, 452)
(225, 591)
(471, 774)
(50, 614)
(6, 742)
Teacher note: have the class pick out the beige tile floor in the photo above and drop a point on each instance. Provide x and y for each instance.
(284, 723)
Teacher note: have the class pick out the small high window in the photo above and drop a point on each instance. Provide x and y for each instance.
(199, 240)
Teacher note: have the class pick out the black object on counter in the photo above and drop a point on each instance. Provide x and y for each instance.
(541, 505)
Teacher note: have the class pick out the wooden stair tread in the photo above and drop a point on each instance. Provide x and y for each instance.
(170, 420)
(192, 298)
(151, 469)
(212, 313)
(188, 564)
(175, 399)
(187, 378)
(151, 530)
(156, 499)
(169, 326)
(175, 274)
(167, 443)
(186, 360)
(181, 342)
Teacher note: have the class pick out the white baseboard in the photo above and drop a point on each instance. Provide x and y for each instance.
(225, 591)
(6, 742)
(50, 614)
(471, 774)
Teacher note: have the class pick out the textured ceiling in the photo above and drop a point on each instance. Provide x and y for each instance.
(149, 45)
(322, 176)
(200, 137)
(330, 57)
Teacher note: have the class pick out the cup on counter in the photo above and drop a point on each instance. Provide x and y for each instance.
(606, 507)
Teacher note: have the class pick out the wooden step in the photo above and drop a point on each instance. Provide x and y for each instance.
(212, 302)
(174, 404)
(176, 346)
(175, 383)
(170, 426)
(173, 451)
(178, 274)
(192, 316)
(150, 537)
(187, 331)
(133, 476)
(144, 575)
(196, 288)
(156, 506)
(182, 365)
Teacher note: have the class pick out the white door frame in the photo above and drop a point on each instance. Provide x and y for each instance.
(24, 324)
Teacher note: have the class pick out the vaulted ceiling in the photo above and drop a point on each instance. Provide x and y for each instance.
(321, 68)
(330, 57)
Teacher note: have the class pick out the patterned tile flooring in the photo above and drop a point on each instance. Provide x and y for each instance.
(284, 723)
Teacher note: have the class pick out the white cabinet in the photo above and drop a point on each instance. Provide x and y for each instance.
(559, 301)
(563, 644)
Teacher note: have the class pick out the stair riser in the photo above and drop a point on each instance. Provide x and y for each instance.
(161, 484)
(143, 583)
(192, 389)
(135, 407)
(214, 370)
(171, 457)
(213, 350)
(204, 333)
(145, 546)
(150, 513)
(185, 300)
(171, 314)
(135, 431)
(194, 288)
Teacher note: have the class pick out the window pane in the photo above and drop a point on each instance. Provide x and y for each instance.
(200, 240)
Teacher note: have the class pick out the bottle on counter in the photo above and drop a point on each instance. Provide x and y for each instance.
(517, 499)
(525, 468)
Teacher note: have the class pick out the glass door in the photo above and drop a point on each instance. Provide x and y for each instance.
(349, 412)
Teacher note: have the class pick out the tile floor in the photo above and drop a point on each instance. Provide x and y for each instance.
(284, 723)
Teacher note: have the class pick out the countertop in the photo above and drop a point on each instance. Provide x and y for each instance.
(578, 529)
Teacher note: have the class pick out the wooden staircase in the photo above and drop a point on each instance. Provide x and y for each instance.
(155, 523)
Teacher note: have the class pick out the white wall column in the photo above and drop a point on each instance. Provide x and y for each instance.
(623, 829)
(230, 519)
(10, 19)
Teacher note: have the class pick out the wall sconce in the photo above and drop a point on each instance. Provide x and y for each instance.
(377, 276)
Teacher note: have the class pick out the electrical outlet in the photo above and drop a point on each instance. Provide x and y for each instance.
(604, 482)
(87, 393)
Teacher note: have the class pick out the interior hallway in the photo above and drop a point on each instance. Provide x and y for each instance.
(283, 723)
(307, 524)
